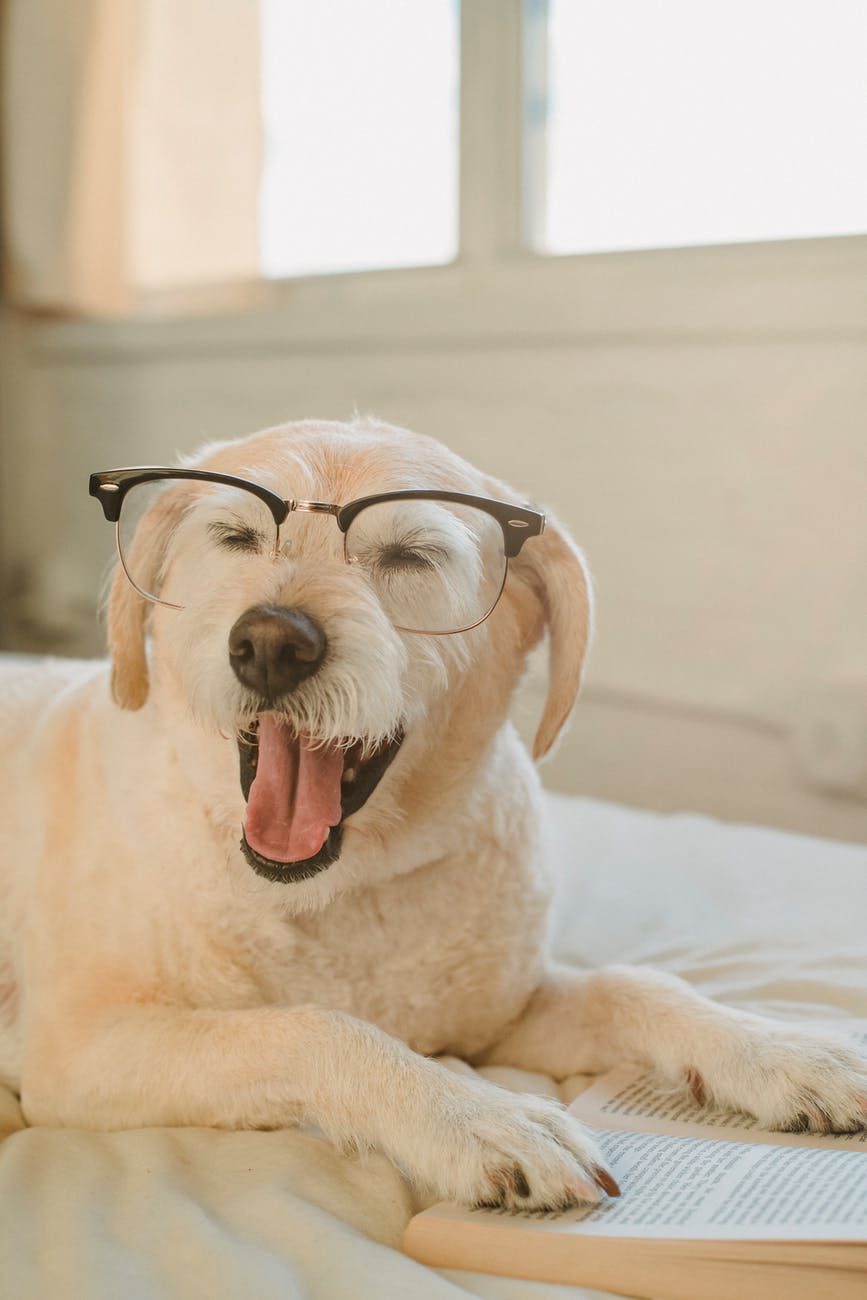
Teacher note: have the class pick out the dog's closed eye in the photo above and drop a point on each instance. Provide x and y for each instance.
(237, 536)
(405, 549)
(401, 555)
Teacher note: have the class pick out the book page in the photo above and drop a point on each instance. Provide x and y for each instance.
(632, 1098)
(705, 1189)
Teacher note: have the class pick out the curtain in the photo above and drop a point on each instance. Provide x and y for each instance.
(131, 150)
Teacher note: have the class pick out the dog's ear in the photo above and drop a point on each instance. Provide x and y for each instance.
(128, 611)
(556, 571)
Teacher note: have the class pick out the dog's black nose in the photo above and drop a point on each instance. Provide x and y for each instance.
(272, 649)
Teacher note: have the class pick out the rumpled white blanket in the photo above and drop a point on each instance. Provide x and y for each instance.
(755, 917)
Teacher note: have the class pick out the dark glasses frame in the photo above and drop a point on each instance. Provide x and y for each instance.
(517, 522)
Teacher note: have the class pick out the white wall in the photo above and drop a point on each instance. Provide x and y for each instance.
(697, 418)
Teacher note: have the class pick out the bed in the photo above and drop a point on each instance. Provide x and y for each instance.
(755, 917)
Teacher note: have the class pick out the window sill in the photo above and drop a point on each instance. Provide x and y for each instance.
(804, 288)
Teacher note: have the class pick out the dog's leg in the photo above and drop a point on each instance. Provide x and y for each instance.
(580, 1022)
(463, 1137)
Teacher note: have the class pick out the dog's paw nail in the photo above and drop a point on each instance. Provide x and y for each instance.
(508, 1183)
(800, 1124)
(603, 1179)
(695, 1084)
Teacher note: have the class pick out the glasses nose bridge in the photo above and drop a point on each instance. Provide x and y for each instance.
(297, 506)
(314, 507)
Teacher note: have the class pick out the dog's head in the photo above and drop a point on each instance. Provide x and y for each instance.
(340, 725)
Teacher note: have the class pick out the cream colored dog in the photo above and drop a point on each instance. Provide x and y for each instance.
(151, 974)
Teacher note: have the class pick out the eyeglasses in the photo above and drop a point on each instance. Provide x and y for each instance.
(437, 560)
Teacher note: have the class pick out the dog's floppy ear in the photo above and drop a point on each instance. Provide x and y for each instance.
(128, 611)
(555, 569)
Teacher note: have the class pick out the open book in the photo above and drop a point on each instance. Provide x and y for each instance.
(712, 1207)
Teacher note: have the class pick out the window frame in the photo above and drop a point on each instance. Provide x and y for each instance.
(498, 290)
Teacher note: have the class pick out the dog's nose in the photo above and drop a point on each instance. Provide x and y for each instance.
(272, 649)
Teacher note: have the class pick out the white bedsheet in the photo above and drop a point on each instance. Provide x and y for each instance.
(755, 917)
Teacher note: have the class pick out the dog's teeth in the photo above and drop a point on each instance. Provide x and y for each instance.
(350, 774)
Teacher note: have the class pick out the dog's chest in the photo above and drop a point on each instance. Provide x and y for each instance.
(444, 969)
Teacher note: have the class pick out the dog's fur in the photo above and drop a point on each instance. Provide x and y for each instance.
(148, 976)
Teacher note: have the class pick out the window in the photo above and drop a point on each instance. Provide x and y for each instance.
(679, 123)
(360, 116)
(208, 150)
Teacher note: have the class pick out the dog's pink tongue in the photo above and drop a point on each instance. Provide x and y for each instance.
(295, 795)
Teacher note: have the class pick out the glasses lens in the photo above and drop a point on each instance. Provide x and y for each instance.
(210, 519)
(435, 566)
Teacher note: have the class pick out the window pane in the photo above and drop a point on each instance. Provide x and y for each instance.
(360, 107)
(696, 121)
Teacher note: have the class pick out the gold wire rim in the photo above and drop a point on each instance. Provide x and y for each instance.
(275, 554)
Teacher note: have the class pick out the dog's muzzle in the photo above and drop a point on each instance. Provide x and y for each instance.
(299, 789)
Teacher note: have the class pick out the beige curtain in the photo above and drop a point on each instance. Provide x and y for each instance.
(131, 151)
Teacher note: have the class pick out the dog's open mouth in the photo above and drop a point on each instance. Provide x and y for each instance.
(299, 794)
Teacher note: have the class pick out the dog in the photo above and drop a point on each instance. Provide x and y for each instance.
(180, 946)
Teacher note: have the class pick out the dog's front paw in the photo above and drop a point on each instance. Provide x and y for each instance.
(790, 1080)
(513, 1151)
